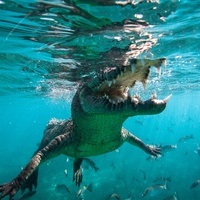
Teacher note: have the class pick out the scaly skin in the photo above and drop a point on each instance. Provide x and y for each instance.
(99, 109)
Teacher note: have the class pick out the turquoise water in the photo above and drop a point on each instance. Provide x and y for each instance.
(47, 49)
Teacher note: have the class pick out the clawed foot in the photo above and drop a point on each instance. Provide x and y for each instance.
(154, 151)
(78, 176)
(8, 189)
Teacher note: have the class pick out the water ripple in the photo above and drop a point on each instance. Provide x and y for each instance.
(47, 46)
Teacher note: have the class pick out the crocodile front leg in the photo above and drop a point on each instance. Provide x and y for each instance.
(137, 142)
(78, 171)
(53, 149)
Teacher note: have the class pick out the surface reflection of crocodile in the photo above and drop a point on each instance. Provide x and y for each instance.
(99, 109)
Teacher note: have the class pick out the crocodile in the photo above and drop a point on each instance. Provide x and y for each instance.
(99, 108)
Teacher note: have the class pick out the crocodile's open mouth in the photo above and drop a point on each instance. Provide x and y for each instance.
(115, 84)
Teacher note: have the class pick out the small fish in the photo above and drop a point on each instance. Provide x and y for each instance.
(185, 138)
(116, 196)
(62, 188)
(154, 190)
(111, 196)
(26, 195)
(162, 179)
(198, 149)
(197, 182)
(167, 148)
(91, 164)
(83, 189)
(172, 197)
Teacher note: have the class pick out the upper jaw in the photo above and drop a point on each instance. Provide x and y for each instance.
(114, 85)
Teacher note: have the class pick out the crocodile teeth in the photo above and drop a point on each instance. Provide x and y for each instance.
(157, 101)
(126, 89)
(144, 83)
(137, 97)
(154, 95)
(159, 70)
(115, 100)
(167, 98)
(111, 82)
(134, 100)
(164, 63)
